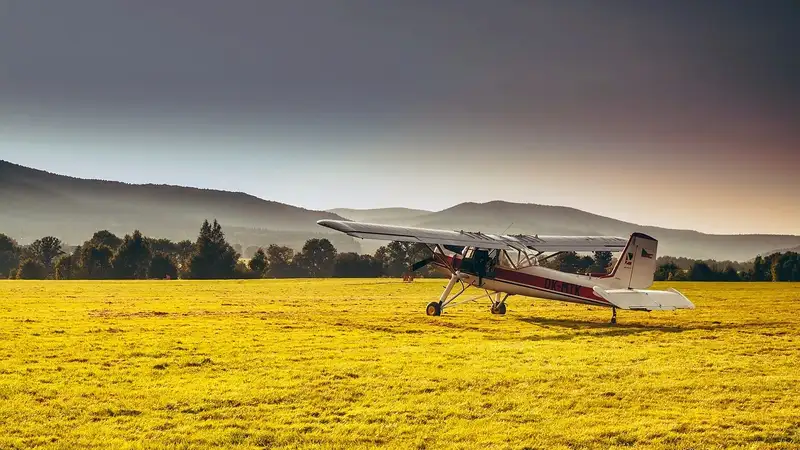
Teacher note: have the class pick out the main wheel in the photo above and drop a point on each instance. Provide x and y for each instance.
(499, 308)
(434, 309)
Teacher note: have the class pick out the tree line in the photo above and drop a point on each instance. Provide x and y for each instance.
(210, 256)
(774, 267)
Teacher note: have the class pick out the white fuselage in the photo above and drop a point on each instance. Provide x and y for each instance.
(539, 282)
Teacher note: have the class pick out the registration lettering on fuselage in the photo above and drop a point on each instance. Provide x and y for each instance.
(560, 286)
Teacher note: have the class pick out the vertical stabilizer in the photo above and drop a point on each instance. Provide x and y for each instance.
(636, 264)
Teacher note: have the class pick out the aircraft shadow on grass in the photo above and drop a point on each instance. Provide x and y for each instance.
(626, 329)
(566, 329)
(594, 329)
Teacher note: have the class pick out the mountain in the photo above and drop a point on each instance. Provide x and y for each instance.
(783, 250)
(35, 203)
(398, 216)
(517, 218)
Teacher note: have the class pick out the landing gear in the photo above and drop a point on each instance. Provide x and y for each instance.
(613, 315)
(498, 304)
(434, 309)
(446, 300)
(499, 308)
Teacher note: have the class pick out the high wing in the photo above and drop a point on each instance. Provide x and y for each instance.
(477, 239)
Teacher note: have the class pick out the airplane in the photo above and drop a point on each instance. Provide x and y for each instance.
(506, 265)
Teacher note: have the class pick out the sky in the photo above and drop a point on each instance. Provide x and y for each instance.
(679, 114)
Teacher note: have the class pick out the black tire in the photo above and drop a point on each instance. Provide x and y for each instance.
(500, 308)
(434, 309)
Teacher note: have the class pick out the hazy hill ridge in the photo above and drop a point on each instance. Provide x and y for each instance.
(34, 203)
(496, 216)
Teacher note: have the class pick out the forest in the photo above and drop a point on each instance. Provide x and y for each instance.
(134, 256)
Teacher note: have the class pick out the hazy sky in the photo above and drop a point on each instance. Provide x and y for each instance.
(677, 114)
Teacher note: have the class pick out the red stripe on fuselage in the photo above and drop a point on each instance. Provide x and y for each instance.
(539, 283)
(546, 284)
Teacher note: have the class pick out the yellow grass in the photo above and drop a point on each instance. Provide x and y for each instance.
(356, 363)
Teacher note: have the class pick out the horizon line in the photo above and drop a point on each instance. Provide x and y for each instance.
(328, 210)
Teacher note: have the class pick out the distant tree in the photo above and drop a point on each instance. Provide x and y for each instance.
(382, 257)
(31, 269)
(78, 271)
(761, 270)
(280, 262)
(353, 265)
(784, 266)
(45, 250)
(585, 264)
(161, 267)
(63, 269)
(396, 257)
(213, 257)
(718, 266)
(700, 271)
(7, 244)
(258, 263)
(162, 246)
(243, 272)
(132, 258)
(730, 274)
(105, 238)
(9, 255)
(775, 269)
(184, 251)
(681, 275)
(317, 258)
(568, 262)
(602, 262)
(666, 272)
(792, 267)
(95, 261)
(8, 262)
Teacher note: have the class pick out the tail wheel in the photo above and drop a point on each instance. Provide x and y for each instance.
(434, 309)
(499, 308)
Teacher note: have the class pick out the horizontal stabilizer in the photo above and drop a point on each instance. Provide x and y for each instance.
(645, 300)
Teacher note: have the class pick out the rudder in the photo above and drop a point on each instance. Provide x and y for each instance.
(636, 264)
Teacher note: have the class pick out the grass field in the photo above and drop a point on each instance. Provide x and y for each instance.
(357, 363)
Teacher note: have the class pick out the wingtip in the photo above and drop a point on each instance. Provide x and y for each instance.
(337, 225)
